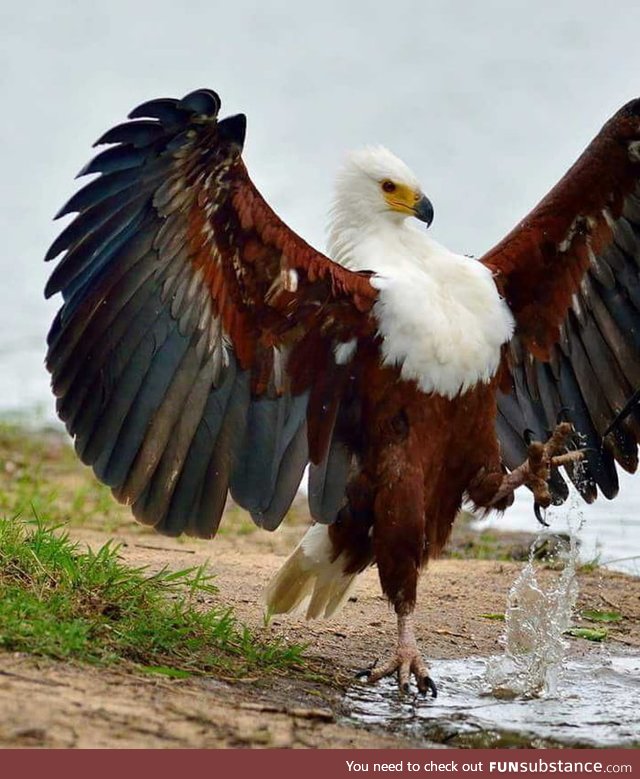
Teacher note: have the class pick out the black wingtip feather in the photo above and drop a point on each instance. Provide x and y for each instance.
(623, 413)
(114, 159)
(139, 133)
(233, 129)
(164, 109)
(98, 190)
(632, 108)
(204, 102)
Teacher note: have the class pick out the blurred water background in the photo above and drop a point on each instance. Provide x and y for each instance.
(488, 102)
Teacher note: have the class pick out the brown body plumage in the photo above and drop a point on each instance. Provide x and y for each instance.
(419, 458)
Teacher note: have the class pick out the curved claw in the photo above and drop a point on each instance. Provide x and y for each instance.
(538, 513)
(564, 415)
(430, 686)
(365, 673)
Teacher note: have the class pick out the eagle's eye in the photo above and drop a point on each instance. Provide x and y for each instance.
(388, 186)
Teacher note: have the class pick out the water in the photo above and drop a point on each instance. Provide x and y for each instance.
(535, 621)
(536, 618)
(595, 704)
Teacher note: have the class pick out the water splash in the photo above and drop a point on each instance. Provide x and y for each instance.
(536, 619)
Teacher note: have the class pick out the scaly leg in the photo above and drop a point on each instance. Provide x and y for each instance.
(399, 540)
(406, 660)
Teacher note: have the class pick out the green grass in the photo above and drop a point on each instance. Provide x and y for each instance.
(598, 615)
(589, 634)
(61, 601)
(41, 475)
(588, 566)
(471, 545)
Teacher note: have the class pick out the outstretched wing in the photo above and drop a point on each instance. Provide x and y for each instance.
(191, 316)
(570, 273)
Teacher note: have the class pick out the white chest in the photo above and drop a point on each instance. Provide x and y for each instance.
(439, 314)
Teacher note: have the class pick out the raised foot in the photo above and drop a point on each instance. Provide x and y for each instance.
(542, 457)
(406, 661)
(536, 469)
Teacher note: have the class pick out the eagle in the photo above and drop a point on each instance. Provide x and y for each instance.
(203, 348)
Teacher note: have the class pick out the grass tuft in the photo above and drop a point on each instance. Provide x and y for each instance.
(589, 566)
(65, 602)
(597, 615)
(589, 634)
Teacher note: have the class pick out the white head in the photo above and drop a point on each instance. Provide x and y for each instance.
(374, 186)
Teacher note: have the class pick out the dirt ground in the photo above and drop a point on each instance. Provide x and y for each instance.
(44, 703)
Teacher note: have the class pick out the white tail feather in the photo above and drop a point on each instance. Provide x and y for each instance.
(311, 582)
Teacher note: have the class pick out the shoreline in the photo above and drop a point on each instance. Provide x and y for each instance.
(50, 703)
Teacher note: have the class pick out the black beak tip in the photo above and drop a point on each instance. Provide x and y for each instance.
(424, 210)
